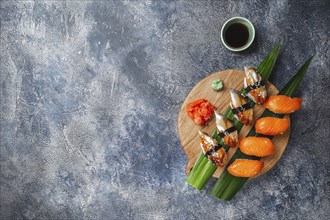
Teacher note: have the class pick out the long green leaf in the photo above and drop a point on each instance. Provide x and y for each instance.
(203, 169)
(227, 185)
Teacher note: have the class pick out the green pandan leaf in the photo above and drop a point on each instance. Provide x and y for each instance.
(227, 185)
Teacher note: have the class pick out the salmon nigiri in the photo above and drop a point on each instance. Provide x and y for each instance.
(283, 104)
(256, 146)
(245, 168)
(272, 126)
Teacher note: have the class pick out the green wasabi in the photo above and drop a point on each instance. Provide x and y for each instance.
(217, 85)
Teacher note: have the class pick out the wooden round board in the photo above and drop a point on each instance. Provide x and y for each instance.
(188, 130)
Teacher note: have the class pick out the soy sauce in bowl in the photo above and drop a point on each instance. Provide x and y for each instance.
(237, 35)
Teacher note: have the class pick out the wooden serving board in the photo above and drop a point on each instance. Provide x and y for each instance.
(188, 130)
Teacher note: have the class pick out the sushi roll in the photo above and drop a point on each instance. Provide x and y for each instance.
(212, 150)
(282, 104)
(226, 130)
(241, 107)
(254, 87)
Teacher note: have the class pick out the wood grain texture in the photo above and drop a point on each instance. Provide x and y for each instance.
(188, 130)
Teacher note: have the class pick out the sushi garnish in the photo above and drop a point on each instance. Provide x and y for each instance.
(200, 111)
(241, 107)
(282, 104)
(226, 130)
(212, 150)
(256, 146)
(217, 85)
(254, 86)
(245, 168)
(272, 126)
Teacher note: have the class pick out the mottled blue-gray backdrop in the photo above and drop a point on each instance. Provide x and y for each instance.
(90, 93)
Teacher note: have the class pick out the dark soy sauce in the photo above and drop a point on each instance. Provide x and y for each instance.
(237, 35)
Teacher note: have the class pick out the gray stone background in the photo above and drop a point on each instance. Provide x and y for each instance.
(90, 93)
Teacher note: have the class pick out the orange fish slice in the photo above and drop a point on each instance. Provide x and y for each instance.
(256, 146)
(283, 104)
(272, 126)
(245, 168)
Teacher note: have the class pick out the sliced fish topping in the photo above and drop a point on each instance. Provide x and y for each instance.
(241, 107)
(226, 130)
(211, 149)
(254, 86)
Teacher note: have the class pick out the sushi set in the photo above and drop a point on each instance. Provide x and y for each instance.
(188, 130)
(238, 130)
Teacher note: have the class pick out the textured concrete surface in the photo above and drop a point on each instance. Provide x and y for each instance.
(90, 93)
